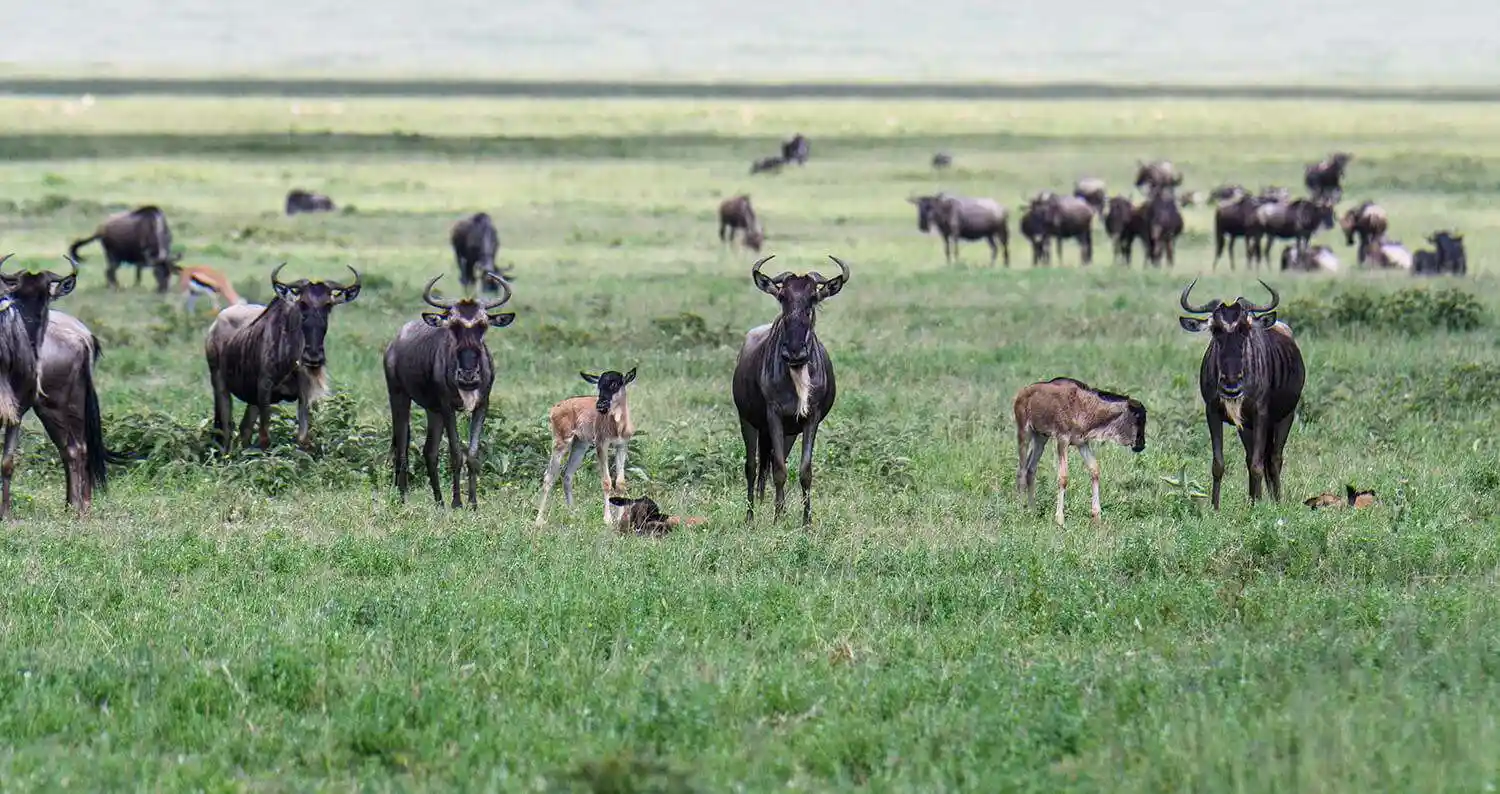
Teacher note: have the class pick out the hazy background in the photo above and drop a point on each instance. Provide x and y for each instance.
(1377, 42)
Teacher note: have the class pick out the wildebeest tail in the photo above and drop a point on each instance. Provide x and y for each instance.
(77, 244)
(93, 430)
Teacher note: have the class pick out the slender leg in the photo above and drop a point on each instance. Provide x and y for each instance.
(263, 407)
(622, 448)
(8, 466)
(1033, 459)
(1005, 244)
(559, 451)
(601, 451)
(304, 420)
(401, 440)
(764, 475)
(1216, 440)
(247, 425)
(994, 249)
(575, 459)
(778, 460)
(1092, 462)
(430, 450)
(1062, 479)
(751, 437)
(112, 264)
(455, 458)
(1255, 457)
(476, 431)
(223, 409)
(805, 473)
(1278, 443)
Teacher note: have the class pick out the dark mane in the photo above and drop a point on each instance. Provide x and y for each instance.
(1107, 396)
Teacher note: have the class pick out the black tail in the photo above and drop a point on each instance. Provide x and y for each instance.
(77, 244)
(93, 430)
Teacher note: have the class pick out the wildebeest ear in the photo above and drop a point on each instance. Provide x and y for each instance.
(764, 283)
(830, 288)
(501, 320)
(346, 294)
(1192, 324)
(284, 291)
(64, 285)
(587, 378)
(1265, 320)
(434, 319)
(621, 501)
(630, 376)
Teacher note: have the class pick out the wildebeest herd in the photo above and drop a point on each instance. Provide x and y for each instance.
(782, 384)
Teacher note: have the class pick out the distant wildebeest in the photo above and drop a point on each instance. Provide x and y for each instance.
(942, 160)
(1297, 220)
(1033, 226)
(770, 165)
(299, 200)
(1275, 193)
(644, 517)
(1154, 176)
(1228, 192)
(1093, 191)
(1449, 257)
(795, 150)
(1352, 497)
(962, 218)
(1384, 252)
(1067, 218)
(1251, 376)
(737, 213)
(442, 364)
(475, 243)
(1073, 414)
(264, 355)
(1192, 198)
(1237, 218)
(1366, 221)
(602, 422)
(195, 281)
(1163, 223)
(784, 384)
(1124, 223)
(139, 237)
(1324, 178)
(1317, 258)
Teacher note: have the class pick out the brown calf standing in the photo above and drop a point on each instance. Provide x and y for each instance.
(643, 517)
(737, 213)
(1075, 415)
(603, 422)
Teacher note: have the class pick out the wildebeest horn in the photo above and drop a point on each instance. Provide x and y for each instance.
(1275, 300)
(73, 263)
(6, 258)
(1189, 308)
(501, 301)
(275, 281)
(843, 268)
(431, 301)
(355, 286)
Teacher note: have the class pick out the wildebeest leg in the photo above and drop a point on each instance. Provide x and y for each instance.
(994, 249)
(465, 270)
(430, 450)
(223, 409)
(8, 465)
(401, 440)
(1062, 480)
(752, 441)
(1171, 252)
(163, 275)
(622, 449)
(1219, 249)
(1278, 443)
(778, 459)
(1004, 235)
(455, 458)
(138, 269)
(70, 454)
(1092, 462)
(1086, 242)
(471, 455)
(1216, 440)
(1254, 439)
(1035, 445)
(763, 476)
(263, 406)
(304, 418)
(601, 451)
(722, 237)
(805, 472)
(559, 451)
(247, 425)
(575, 459)
(112, 263)
(1060, 260)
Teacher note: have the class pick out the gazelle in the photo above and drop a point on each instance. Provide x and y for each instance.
(195, 281)
(602, 421)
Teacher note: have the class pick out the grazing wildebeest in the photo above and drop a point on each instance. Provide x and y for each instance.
(795, 150)
(962, 218)
(602, 422)
(942, 160)
(1237, 218)
(1093, 191)
(643, 517)
(272, 354)
(770, 165)
(783, 383)
(443, 365)
(1251, 376)
(1318, 257)
(139, 237)
(1067, 218)
(1324, 178)
(1297, 220)
(1033, 226)
(475, 243)
(1367, 221)
(737, 213)
(1163, 226)
(1154, 176)
(299, 200)
(1073, 414)
(1124, 223)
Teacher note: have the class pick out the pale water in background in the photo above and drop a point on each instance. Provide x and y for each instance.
(1373, 42)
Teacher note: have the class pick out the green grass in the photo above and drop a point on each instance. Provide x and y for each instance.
(280, 622)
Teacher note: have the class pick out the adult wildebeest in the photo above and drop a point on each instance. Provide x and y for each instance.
(272, 354)
(1124, 223)
(1067, 218)
(795, 150)
(1297, 220)
(1093, 191)
(770, 165)
(962, 218)
(299, 200)
(1237, 218)
(1163, 223)
(1316, 258)
(1154, 176)
(475, 243)
(1324, 178)
(737, 213)
(23, 325)
(1450, 252)
(783, 383)
(1367, 221)
(942, 160)
(139, 237)
(1033, 226)
(1251, 376)
(441, 364)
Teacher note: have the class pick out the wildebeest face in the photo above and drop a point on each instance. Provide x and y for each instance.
(1137, 413)
(799, 297)
(611, 386)
(313, 300)
(466, 321)
(924, 212)
(1231, 325)
(32, 293)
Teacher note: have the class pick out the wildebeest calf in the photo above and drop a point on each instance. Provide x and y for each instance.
(1073, 414)
(1316, 258)
(299, 200)
(643, 517)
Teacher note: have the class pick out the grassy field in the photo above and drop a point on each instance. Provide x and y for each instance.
(280, 622)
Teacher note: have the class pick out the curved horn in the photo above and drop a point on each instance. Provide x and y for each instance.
(843, 268)
(431, 301)
(275, 281)
(754, 269)
(355, 286)
(1275, 300)
(503, 299)
(73, 263)
(1188, 307)
(6, 258)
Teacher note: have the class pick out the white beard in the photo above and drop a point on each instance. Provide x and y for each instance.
(470, 399)
(1232, 409)
(802, 384)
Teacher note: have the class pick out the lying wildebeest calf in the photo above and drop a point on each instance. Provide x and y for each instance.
(643, 517)
(1073, 414)
(1318, 257)
(770, 165)
(1352, 498)
(299, 200)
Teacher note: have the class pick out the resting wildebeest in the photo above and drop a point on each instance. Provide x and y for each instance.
(1323, 178)
(139, 237)
(962, 218)
(795, 150)
(299, 200)
(1124, 223)
(770, 165)
(475, 243)
(1067, 218)
(1298, 220)
(1163, 226)
(272, 354)
(442, 364)
(1316, 258)
(737, 213)
(1155, 176)
(1383, 252)
(1251, 376)
(783, 383)
(1091, 190)
(1237, 218)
